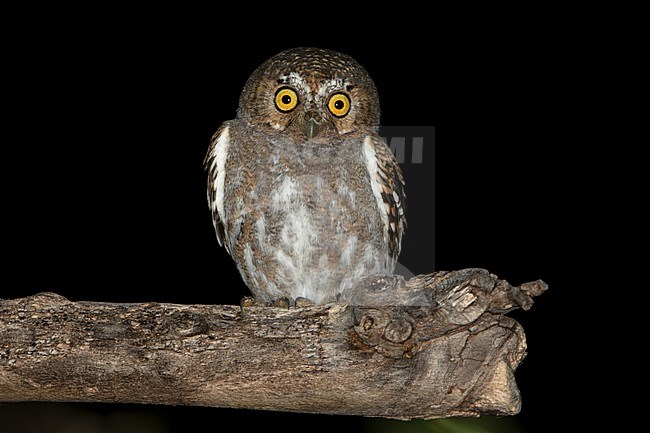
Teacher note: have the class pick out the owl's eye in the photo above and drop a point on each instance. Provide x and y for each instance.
(286, 99)
(339, 104)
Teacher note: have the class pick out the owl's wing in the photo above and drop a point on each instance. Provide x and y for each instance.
(388, 187)
(215, 162)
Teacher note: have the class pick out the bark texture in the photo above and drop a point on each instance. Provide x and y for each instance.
(446, 350)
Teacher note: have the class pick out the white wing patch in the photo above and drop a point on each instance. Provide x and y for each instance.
(220, 156)
(373, 170)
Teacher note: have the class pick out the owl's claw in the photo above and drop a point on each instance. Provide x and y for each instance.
(284, 302)
(249, 301)
(303, 302)
(281, 303)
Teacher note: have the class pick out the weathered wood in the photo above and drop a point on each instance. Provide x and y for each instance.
(449, 351)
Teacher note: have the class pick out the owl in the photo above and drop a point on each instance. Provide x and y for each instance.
(305, 196)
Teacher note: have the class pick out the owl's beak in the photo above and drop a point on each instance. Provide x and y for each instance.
(313, 123)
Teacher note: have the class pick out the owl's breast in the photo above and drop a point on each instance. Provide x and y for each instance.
(302, 219)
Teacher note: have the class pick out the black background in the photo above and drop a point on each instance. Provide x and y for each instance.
(103, 192)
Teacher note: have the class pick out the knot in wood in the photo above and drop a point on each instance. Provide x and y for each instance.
(398, 330)
(385, 330)
(369, 325)
(188, 324)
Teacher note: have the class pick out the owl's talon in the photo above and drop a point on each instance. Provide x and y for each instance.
(281, 303)
(303, 302)
(247, 301)
(250, 301)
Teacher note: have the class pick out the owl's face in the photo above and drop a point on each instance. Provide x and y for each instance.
(310, 94)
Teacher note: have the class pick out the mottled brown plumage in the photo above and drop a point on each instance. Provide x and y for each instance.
(305, 196)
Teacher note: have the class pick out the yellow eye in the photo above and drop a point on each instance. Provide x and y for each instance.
(286, 99)
(339, 104)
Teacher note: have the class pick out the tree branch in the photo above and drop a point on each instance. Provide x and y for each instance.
(446, 350)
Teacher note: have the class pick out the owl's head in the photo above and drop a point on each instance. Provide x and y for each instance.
(310, 93)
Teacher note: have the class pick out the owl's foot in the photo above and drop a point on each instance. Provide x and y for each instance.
(284, 302)
(281, 303)
(303, 302)
(249, 301)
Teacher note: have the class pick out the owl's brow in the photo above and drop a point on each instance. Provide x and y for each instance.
(296, 80)
(333, 84)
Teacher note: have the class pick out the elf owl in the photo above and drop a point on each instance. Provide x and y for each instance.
(305, 196)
